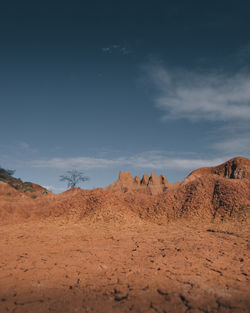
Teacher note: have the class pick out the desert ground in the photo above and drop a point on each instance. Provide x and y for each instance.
(139, 245)
(60, 266)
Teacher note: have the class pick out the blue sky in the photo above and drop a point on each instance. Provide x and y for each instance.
(104, 86)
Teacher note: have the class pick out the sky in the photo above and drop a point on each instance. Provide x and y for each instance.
(104, 86)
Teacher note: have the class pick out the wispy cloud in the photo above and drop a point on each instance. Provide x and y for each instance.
(239, 144)
(14, 153)
(77, 162)
(201, 96)
(54, 189)
(150, 160)
(160, 161)
(116, 48)
(24, 146)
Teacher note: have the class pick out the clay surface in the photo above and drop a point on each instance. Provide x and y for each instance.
(137, 267)
(140, 245)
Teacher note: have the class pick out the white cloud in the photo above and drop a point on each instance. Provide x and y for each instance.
(116, 48)
(106, 49)
(159, 161)
(54, 189)
(238, 145)
(78, 162)
(195, 96)
(151, 160)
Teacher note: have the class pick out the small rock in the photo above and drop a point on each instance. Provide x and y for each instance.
(120, 298)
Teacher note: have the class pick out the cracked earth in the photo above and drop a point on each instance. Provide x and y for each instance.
(142, 267)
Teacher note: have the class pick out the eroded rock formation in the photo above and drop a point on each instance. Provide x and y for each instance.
(214, 192)
(236, 168)
(147, 184)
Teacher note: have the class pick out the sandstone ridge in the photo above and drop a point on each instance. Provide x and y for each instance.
(219, 192)
(236, 168)
(147, 184)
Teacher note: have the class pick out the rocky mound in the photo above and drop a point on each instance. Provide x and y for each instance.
(6, 189)
(18, 184)
(236, 168)
(209, 193)
(151, 185)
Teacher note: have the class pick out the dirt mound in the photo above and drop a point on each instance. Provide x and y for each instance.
(6, 189)
(110, 250)
(207, 193)
(18, 184)
(236, 168)
(75, 204)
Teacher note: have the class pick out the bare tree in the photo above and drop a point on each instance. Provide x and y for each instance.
(73, 178)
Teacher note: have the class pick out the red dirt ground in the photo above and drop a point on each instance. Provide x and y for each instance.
(133, 247)
(137, 267)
